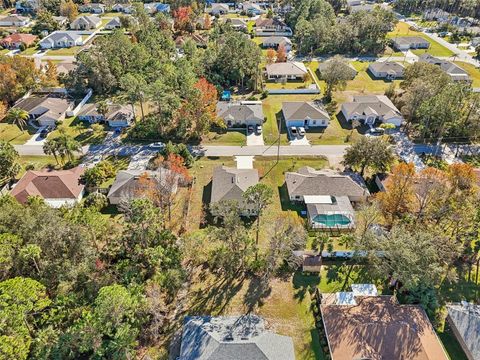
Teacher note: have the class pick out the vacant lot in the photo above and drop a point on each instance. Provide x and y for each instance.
(64, 52)
(12, 133)
(472, 70)
(227, 137)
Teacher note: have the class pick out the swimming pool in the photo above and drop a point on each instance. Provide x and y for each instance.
(332, 220)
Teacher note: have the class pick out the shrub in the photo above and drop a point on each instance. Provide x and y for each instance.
(96, 200)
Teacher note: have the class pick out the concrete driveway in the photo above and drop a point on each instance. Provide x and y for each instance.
(36, 139)
(254, 139)
(296, 140)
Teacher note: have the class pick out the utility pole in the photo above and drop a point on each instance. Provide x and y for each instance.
(279, 138)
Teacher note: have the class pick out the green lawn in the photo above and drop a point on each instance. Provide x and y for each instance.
(64, 52)
(403, 29)
(472, 70)
(4, 51)
(365, 83)
(12, 133)
(228, 137)
(38, 163)
(30, 51)
(79, 131)
(450, 343)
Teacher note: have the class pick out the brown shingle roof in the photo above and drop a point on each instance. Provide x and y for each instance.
(61, 184)
(27, 39)
(378, 328)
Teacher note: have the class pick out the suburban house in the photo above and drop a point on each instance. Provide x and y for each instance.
(304, 113)
(27, 6)
(270, 27)
(252, 8)
(237, 114)
(404, 43)
(61, 39)
(94, 8)
(56, 188)
(15, 40)
(328, 196)
(61, 20)
(229, 184)
(291, 70)
(219, 9)
(371, 109)
(117, 115)
(86, 22)
(389, 70)
(113, 24)
(14, 20)
(275, 41)
(232, 337)
(123, 8)
(128, 184)
(64, 68)
(464, 319)
(436, 14)
(237, 24)
(452, 69)
(365, 326)
(362, 7)
(46, 108)
(156, 7)
(354, 2)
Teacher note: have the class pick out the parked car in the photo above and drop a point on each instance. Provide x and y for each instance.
(259, 129)
(250, 129)
(157, 145)
(301, 131)
(293, 131)
(44, 133)
(375, 132)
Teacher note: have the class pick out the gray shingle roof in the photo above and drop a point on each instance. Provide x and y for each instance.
(308, 181)
(371, 105)
(287, 68)
(91, 20)
(231, 183)
(466, 319)
(409, 40)
(59, 35)
(277, 40)
(388, 66)
(127, 184)
(232, 338)
(299, 110)
(238, 112)
(449, 67)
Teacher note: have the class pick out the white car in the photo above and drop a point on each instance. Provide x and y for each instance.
(375, 132)
(293, 131)
(157, 145)
(301, 131)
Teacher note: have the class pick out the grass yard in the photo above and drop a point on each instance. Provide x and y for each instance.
(472, 70)
(4, 51)
(12, 133)
(30, 51)
(285, 307)
(271, 173)
(365, 83)
(79, 131)
(37, 162)
(436, 49)
(228, 137)
(64, 52)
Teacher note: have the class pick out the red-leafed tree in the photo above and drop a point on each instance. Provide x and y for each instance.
(207, 23)
(281, 53)
(208, 97)
(271, 56)
(183, 18)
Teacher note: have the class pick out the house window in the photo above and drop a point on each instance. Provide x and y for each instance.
(297, 197)
(323, 122)
(314, 122)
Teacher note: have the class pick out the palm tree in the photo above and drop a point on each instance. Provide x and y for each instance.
(18, 116)
(67, 146)
(50, 147)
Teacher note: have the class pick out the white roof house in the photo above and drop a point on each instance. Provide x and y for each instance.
(372, 108)
(14, 20)
(291, 70)
(61, 39)
(86, 23)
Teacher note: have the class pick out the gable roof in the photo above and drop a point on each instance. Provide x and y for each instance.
(91, 20)
(62, 35)
(233, 337)
(60, 184)
(277, 40)
(127, 185)
(269, 22)
(409, 40)
(390, 67)
(378, 105)
(13, 18)
(220, 6)
(49, 106)
(299, 110)
(449, 67)
(308, 181)
(378, 328)
(114, 22)
(465, 318)
(239, 112)
(231, 183)
(287, 68)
